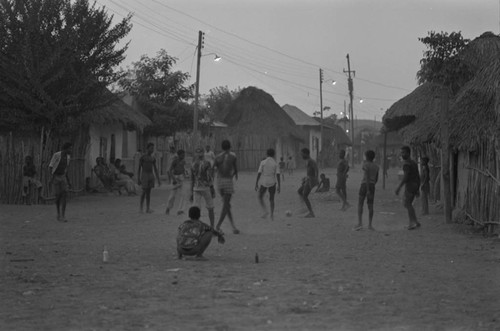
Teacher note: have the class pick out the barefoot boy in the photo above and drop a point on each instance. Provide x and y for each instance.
(309, 181)
(146, 176)
(269, 176)
(341, 185)
(411, 182)
(225, 163)
(367, 189)
(194, 236)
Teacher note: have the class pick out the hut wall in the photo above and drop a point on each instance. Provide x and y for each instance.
(434, 154)
(478, 187)
(13, 150)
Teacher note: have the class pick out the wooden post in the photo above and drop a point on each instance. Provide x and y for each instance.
(445, 155)
(384, 165)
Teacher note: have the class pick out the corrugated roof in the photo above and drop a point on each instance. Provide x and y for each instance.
(299, 117)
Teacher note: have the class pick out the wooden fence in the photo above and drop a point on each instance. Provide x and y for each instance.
(478, 189)
(14, 149)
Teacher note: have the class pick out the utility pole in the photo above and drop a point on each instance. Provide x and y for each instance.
(351, 112)
(345, 115)
(321, 111)
(197, 85)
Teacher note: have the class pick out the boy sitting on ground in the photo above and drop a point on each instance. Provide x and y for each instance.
(324, 184)
(194, 236)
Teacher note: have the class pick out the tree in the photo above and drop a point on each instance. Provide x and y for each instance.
(161, 92)
(56, 59)
(218, 101)
(442, 63)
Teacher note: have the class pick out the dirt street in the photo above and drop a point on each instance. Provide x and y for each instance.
(313, 274)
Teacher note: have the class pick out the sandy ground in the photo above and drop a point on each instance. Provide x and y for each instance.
(313, 274)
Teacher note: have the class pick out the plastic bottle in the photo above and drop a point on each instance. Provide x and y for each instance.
(105, 255)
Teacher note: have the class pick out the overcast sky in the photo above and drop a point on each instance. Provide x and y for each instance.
(280, 45)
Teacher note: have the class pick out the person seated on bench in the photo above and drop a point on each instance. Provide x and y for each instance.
(102, 172)
(29, 172)
(324, 184)
(124, 178)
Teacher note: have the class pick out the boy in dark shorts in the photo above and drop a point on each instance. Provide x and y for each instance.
(341, 185)
(146, 176)
(226, 166)
(411, 182)
(194, 236)
(308, 182)
(367, 189)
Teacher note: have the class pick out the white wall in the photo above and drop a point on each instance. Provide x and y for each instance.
(313, 135)
(98, 131)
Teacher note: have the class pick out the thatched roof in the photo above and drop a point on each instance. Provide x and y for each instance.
(116, 111)
(415, 116)
(255, 112)
(474, 111)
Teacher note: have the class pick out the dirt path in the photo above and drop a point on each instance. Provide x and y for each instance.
(313, 274)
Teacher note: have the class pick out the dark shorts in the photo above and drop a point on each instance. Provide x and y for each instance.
(147, 180)
(367, 191)
(271, 189)
(408, 198)
(60, 184)
(341, 183)
(306, 187)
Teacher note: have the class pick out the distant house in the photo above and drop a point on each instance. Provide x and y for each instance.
(255, 123)
(115, 132)
(311, 128)
(326, 147)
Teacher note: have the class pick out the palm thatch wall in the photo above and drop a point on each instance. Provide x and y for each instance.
(255, 123)
(474, 121)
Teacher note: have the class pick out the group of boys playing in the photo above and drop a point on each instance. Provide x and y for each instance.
(194, 236)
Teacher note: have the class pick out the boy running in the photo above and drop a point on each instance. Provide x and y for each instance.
(225, 163)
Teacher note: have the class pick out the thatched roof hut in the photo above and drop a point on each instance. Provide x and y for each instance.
(414, 116)
(476, 110)
(117, 111)
(255, 112)
(473, 110)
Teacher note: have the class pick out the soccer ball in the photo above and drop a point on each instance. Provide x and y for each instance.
(288, 213)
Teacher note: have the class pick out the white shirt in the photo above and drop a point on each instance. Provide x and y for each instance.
(268, 169)
(210, 157)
